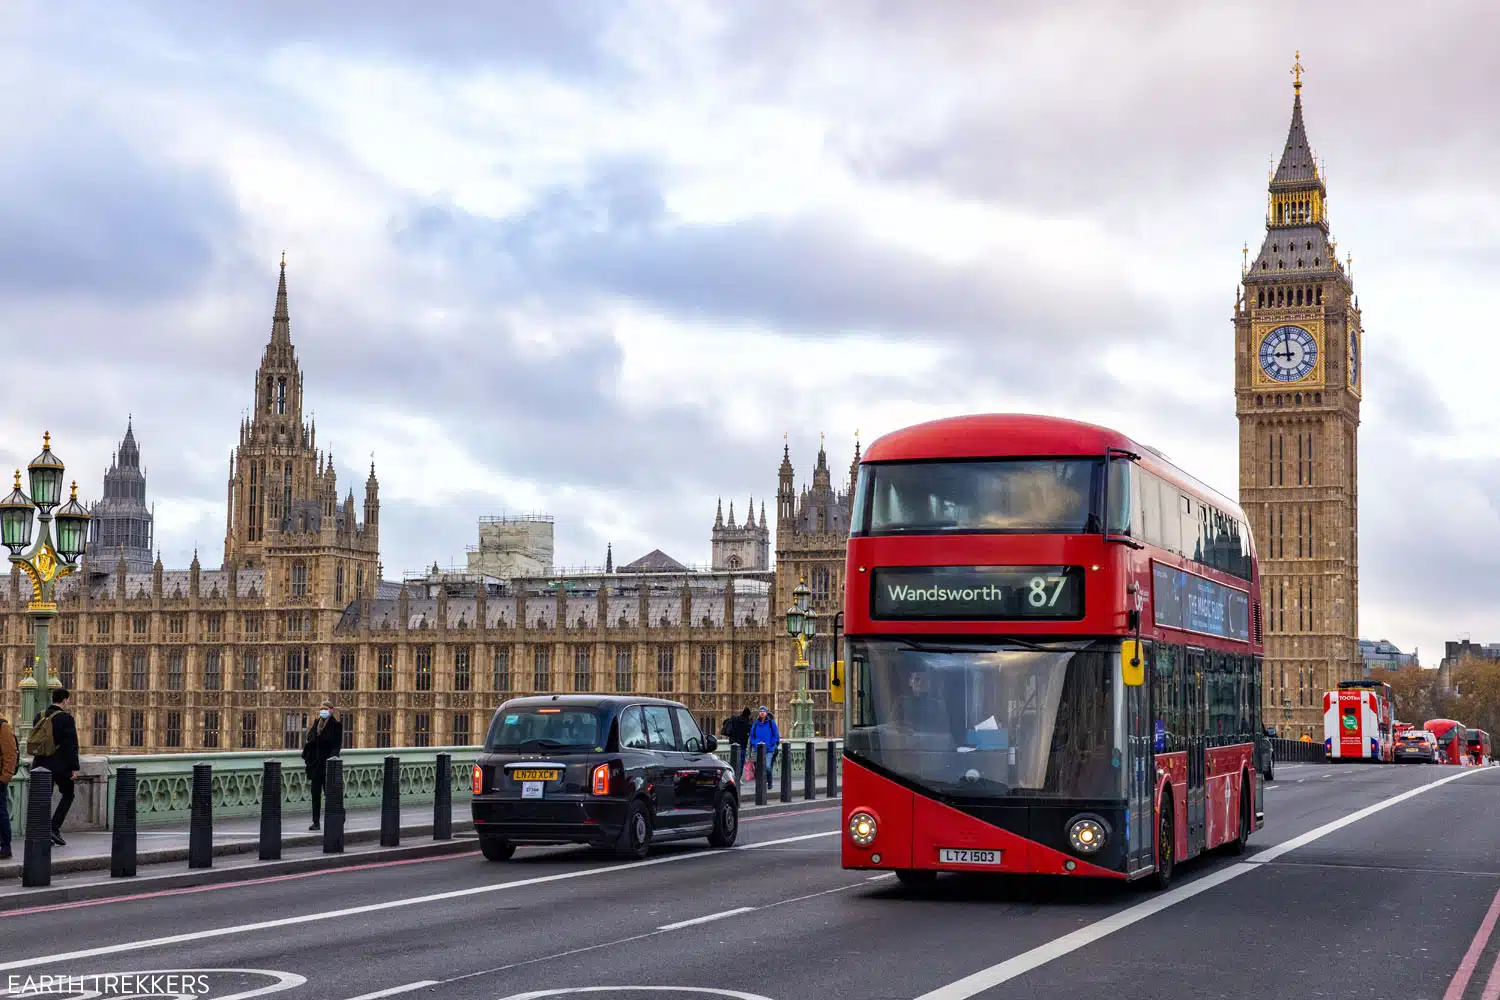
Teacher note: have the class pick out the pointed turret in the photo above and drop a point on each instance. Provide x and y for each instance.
(609, 557)
(786, 491)
(281, 320)
(719, 514)
(731, 513)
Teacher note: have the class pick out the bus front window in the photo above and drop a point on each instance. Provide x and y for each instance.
(983, 720)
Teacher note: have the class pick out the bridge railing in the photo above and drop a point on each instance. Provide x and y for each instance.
(1299, 752)
(164, 782)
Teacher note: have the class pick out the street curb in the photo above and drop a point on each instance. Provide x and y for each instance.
(167, 855)
(166, 881)
(111, 888)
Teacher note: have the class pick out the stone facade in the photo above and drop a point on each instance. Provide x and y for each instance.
(239, 657)
(812, 537)
(1298, 351)
(746, 546)
(122, 524)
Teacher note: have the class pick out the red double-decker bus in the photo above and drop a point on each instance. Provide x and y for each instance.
(1053, 651)
(1451, 745)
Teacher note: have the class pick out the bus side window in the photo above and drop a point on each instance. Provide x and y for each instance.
(1150, 488)
(1190, 542)
(1167, 506)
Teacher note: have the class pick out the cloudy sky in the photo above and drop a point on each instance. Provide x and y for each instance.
(596, 258)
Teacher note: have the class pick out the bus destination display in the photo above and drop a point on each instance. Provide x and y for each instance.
(1191, 603)
(970, 593)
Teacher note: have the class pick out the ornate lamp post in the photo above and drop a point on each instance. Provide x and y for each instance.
(42, 563)
(802, 626)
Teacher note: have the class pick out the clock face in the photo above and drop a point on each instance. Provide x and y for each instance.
(1353, 359)
(1288, 354)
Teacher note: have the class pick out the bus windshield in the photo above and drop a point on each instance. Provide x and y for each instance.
(988, 720)
(1041, 496)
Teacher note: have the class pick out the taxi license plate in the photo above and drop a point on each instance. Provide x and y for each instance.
(534, 775)
(960, 856)
(531, 790)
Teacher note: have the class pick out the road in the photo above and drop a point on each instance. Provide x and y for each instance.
(1350, 891)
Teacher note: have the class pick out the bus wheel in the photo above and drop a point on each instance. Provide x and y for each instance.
(1166, 846)
(1237, 845)
(915, 878)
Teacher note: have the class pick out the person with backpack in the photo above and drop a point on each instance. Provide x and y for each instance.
(53, 744)
(10, 759)
(737, 731)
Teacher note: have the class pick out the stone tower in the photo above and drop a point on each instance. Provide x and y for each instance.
(746, 546)
(812, 537)
(284, 513)
(122, 524)
(1298, 355)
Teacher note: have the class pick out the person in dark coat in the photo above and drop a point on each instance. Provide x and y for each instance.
(63, 761)
(325, 738)
(737, 731)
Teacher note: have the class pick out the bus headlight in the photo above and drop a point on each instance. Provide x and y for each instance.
(1087, 835)
(862, 829)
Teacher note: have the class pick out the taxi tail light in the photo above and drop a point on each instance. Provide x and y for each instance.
(478, 779)
(601, 780)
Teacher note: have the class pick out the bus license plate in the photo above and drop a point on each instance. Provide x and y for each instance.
(959, 856)
(531, 790)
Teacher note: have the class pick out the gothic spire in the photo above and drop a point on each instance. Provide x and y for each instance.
(719, 514)
(1297, 167)
(731, 513)
(281, 322)
(609, 557)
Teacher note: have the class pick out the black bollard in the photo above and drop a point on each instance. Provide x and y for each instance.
(809, 776)
(735, 760)
(333, 806)
(833, 770)
(390, 803)
(270, 811)
(761, 779)
(122, 834)
(442, 799)
(36, 865)
(201, 819)
(786, 773)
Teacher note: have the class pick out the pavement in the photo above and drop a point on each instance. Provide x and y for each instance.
(1368, 881)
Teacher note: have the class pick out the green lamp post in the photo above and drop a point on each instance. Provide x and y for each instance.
(45, 563)
(802, 626)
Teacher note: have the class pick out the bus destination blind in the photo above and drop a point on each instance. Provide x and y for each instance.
(976, 593)
(1193, 604)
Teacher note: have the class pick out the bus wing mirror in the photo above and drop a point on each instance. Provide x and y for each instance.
(1132, 666)
(836, 683)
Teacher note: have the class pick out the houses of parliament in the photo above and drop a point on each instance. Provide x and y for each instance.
(238, 658)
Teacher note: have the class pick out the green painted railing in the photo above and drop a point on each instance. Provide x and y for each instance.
(164, 782)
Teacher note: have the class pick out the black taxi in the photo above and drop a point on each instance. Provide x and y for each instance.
(610, 771)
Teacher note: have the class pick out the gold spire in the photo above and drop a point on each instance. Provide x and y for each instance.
(18, 479)
(46, 440)
(75, 490)
(1297, 74)
(1244, 259)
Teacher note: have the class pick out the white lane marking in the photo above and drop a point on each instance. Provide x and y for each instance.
(390, 904)
(1042, 954)
(566, 991)
(1272, 853)
(706, 919)
(423, 984)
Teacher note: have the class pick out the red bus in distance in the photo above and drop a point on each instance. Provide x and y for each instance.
(1451, 745)
(1053, 656)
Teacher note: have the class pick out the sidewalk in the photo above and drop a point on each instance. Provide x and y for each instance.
(81, 869)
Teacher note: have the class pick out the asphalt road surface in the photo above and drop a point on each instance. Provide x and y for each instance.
(1368, 881)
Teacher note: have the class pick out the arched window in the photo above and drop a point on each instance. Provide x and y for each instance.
(299, 579)
(286, 490)
(820, 583)
(281, 395)
(734, 562)
(270, 395)
(338, 585)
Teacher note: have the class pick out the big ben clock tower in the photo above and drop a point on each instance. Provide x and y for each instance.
(1297, 344)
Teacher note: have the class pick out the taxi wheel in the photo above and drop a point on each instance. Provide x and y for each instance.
(635, 839)
(496, 848)
(726, 822)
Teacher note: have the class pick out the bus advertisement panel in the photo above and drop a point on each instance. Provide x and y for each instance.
(1357, 724)
(1053, 652)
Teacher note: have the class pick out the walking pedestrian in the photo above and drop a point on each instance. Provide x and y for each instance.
(325, 738)
(737, 731)
(10, 759)
(53, 744)
(763, 730)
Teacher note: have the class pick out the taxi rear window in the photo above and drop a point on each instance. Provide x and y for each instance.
(560, 727)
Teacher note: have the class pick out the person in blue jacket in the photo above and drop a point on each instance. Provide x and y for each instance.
(763, 730)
